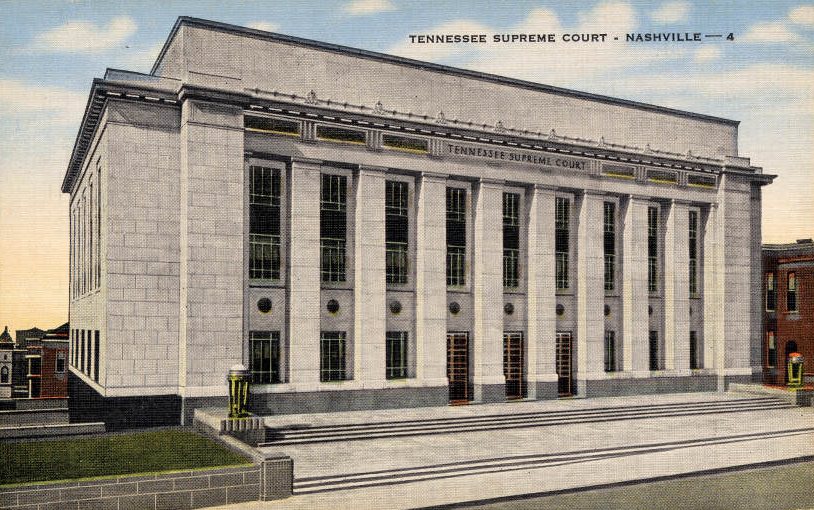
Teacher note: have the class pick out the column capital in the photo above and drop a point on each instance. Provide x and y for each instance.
(303, 161)
(375, 171)
(544, 189)
(638, 198)
(433, 176)
(593, 193)
(677, 201)
(491, 183)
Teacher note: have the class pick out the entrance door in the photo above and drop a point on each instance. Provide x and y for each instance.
(514, 365)
(458, 367)
(565, 382)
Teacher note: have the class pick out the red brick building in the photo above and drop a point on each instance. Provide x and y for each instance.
(788, 290)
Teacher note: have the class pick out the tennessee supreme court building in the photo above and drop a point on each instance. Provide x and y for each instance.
(368, 231)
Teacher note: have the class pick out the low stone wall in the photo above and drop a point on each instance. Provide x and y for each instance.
(271, 478)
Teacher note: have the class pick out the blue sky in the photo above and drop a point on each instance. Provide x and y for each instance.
(51, 50)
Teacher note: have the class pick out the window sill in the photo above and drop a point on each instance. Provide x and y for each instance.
(266, 284)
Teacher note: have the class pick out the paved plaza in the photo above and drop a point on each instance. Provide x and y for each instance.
(424, 457)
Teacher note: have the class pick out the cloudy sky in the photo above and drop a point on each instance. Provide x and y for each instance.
(51, 50)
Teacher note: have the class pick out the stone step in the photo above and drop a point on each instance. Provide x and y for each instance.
(364, 431)
(524, 462)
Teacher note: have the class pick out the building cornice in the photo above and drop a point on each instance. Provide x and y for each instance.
(310, 108)
(407, 62)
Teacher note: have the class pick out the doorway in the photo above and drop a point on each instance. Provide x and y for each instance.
(514, 365)
(565, 369)
(458, 367)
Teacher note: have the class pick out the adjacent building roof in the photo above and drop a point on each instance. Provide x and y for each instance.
(5, 338)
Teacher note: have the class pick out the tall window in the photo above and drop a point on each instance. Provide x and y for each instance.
(693, 237)
(791, 293)
(396, 231)
(655, 358)
(610, 351)
(333, 227)
(771, 292)
(264, 361)
(562, 209)
(456, 236)
(771, 353)
(96, 355)
(98, 224)
(264, 223)
(4, 375)
(396, 365)
(609, 217)
(88, 354)
(652, 248)
(695, 351)
(511, 239)
(332, 353)
(59, 366)
(91, 233)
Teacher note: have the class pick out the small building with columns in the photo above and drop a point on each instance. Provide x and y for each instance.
(368, 231)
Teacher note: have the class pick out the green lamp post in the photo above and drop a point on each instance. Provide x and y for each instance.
(795, 366)
(238, 391)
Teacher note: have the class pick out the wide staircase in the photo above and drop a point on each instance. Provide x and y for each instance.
(299, 434)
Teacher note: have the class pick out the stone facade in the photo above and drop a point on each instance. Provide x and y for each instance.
(175, 290)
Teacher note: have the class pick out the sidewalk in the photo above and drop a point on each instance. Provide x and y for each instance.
(407, 472)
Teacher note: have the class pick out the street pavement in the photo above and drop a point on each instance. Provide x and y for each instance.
(373, 459)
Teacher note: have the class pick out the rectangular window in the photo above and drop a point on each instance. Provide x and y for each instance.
(337, 134)
(511, 240)
(271, 125)
(771, 353)
(695, 351)
(562, 210)
(610, 244)
(403, 143)
(98, 224)
(771, 292)
(91, 234)
(791, 293)
(96, 355)
(82, 351)
(59, 367)
(332, 353)
(264, 360)
(88, 355)
(35, 366)
(396, 231)
(610, 351)
(396, 366)
(652, 248)
(456, 236)
(264, 223)
(693, 238)
(655, 355)
(333, 227)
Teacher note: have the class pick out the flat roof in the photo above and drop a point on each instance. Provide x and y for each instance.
(408, 62)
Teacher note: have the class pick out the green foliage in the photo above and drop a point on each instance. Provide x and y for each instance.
(119, 454)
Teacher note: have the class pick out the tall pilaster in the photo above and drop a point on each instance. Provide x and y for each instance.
(677, 288)
(713, 297)
(487, 341)
(369, 275)
(431, 280)
(590, 288)
(542, 323)
(634, 287)
(303, 272)
(211, 268)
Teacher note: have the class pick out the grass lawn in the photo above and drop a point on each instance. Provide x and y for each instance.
(119, 454)
(771, 488)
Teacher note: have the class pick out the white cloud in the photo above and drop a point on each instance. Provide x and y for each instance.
(365, 7)
(770, 32)
(85, 36)
(803, 15)
(56, 104)
(707, 54)
(266, 26)
(671, 12)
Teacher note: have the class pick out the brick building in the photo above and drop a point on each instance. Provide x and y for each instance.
(364, 230)
(788, 284)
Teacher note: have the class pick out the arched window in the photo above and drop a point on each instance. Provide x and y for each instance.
(4, 375)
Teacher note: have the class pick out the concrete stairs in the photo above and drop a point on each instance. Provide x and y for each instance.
(326, 433)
